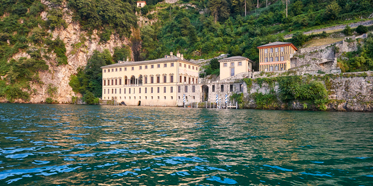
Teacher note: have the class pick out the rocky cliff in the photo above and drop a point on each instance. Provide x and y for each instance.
(347, 92)
(79, 47)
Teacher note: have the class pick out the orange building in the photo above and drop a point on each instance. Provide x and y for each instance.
(275, 56)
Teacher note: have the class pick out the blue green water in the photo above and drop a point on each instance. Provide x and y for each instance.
(82, 145)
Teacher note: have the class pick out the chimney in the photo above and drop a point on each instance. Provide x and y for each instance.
(178, 54)
(171, 54)
(182, 56)
(127, 59)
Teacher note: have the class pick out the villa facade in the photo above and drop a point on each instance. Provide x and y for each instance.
(276, 56)
(231, 66)
(159, 82)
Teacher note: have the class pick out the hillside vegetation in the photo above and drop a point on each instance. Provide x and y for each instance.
(220, 26)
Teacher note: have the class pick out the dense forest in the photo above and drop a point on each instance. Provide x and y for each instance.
(198, 29)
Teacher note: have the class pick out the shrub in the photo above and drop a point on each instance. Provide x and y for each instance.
(89, 98)
(361, 29)
(51, 90)
(49, 101)
(347, 31)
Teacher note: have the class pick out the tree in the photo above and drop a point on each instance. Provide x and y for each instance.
(299, 39)
(347, 31)
(219, 9)
(332, 11)
(297, 7)
(361, 29)
(89, 98)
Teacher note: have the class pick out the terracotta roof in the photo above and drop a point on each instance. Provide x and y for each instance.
(277, 44)
(234, 58)
(160, 60)
(141, 2)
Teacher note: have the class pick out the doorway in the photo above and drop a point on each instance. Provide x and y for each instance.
(205, 93)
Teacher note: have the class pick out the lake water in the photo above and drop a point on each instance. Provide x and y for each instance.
(78, 144)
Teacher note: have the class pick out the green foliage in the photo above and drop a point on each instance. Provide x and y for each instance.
(74, 99)
(265, 101)
(332, 11)
(121, 54)
(51, 90)
(213, 68)
(295, 88)
(49, 100)
(249, 83)
(55, 19)
(89, 98)
(89, 79)
(361, 29)
(218, 8)
(105, 15)
(96, 101)
(237, 97)
(299, 39)
(347, 31)
(58, 46)
(360, 60)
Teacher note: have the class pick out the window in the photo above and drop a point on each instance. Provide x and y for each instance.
(165, 65)
(225, 64)
(112, 82)
(146, 91)
(152, 66)
(120, 69)
(151, 79)
(104, 82)
(276, 58)
(193, 80)
(159, 65)
(239, 63)
(157, 89)
(164, 89)
(276, 68)
(172, 64)
(185, 80)
(172, 97)
(282, 49)
(120, 91)
(189, 80)
(232, 71)
(139, 97)
(193, 67)
(104, 91)
(179, 64)
(164, 79)
(120, 81)
(133, 68)
(178, 89)
(265, 50)
(116, 70)
(158, 79)
(222, 88)
(146, 80)
(134, 90)
(196, 68)
(241, 86)
(158, 97)
(189, 66)
(186, 89)
(140, 67)
(146, 66)
(194, 97)
(184, 65)
(172, 89)
(266, 59)
(125, 69)
(213, 88)
(232, 64)
(129, 91)
(139, 90)
(276, 49)
(282, 58)
(271, 59)
(171, 79)
(231, 88)
(151, 90)
(115, 91)
(179, 97)
(116, 82)
(146, 97)
(104, 70)
(193, 88)
(124, 91)
(181, 80)
(271, 68)
(271, 50)
(152, 97)
(165, 97)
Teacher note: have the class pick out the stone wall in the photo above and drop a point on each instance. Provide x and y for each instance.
(348, 93)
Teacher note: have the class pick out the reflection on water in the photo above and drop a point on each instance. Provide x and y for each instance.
(72, 144)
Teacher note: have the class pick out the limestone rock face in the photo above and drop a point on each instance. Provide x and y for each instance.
(77, 53)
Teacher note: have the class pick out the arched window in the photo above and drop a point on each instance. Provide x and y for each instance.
(140, 80)
(125, 80)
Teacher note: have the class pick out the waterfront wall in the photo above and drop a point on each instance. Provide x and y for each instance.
(347, 92)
